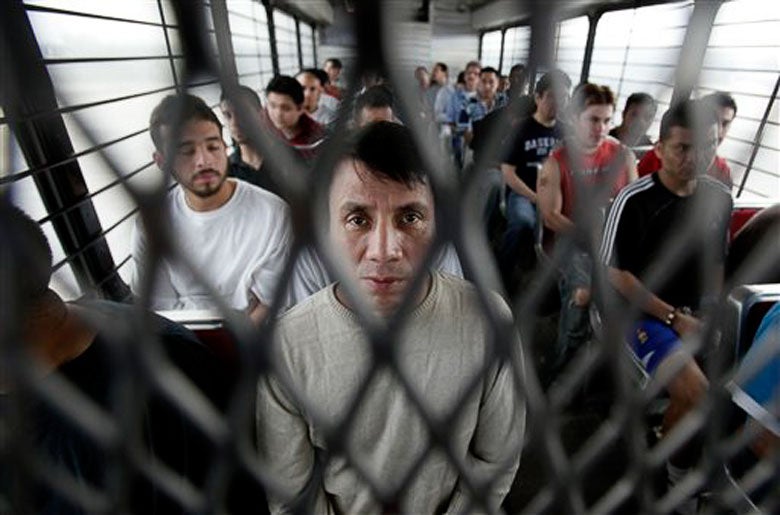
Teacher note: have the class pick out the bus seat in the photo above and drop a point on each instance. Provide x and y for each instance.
(746, 307)
(209, 327)
(740, 215)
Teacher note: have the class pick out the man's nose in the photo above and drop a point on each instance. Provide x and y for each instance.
(202, 157)
(384, 243)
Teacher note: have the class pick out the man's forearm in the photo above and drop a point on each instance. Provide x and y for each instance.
(558, 223)
(632, 289)
(517, 184)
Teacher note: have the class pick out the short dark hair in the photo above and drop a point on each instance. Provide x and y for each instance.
(322, 75)
(550, 79)
(176, 110)
(639, 98)
(443, 67)
(461, 78)
(31, 256)
(286, 85)
(375, 97)
(489, 69)
(588, 94)
(314, 72)
(389, 152)
(720, 99)
(244, 92)
(335, 62)
(686, 114)
(517, 66)
(471, 64)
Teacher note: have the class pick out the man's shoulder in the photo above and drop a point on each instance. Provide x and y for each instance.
(715, 187)
(718, 198)
(722, 164)
(300, 316)
(638, 192)
(311, 130)
(259, 196)
(640, 188)
(114, 322)
(611, 146)
(465, 295)
(316, 322)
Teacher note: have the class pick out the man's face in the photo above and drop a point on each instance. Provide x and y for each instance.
(332, 71)
(488, 85)
(638, 118)
(472, 77)
(725, 117)
(423, 79)
(312, 89)
(283, 111)
(384, 230)
(682, 156)
(546, 104)
(229, 113)
(516, 78)
(375, 114)
(439, 75)
(200, 161)
(592, 125)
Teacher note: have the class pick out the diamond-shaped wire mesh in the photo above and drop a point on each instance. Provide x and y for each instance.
(589, 443)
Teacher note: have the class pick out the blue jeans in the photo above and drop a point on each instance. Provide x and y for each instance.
(574, 326)
(521, 223)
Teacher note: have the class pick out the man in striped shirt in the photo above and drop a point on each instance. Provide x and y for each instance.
(664, 245)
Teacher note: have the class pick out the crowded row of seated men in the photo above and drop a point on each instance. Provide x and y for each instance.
(660, 240)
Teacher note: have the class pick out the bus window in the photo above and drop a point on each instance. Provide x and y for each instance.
(286, 43)
(742, 59)
(307, 45)
(251, 43)
(570, 46)
(108, 70)
(637, 50)
(517, 43)
(491, 49)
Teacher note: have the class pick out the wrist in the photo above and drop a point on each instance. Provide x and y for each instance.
(670, 317)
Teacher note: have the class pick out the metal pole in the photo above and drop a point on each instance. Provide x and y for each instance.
(758, 137)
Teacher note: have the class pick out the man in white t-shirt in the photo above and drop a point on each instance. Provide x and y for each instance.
(228, 233)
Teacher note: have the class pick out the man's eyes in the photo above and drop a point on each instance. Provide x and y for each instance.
(189, 151)
(357, 221)
(404, 220)
(411, 218)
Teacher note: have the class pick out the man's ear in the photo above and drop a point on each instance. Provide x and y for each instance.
(159, 159)
(657, 149)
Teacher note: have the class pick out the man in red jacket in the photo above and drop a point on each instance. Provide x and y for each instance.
(726, 110)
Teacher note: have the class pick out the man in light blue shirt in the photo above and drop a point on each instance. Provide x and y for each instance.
(756, 387)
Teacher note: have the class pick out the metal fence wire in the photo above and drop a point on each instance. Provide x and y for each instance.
(589, 444)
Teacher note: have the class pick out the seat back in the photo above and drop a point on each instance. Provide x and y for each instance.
(746, 307)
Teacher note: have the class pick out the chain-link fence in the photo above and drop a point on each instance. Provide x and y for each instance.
(591, 441)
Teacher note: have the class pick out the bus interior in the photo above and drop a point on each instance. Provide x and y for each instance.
(80, 79)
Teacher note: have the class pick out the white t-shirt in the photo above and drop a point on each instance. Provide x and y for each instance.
(310, 274)
(324, 115)
(239, 248)
(329, 102)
